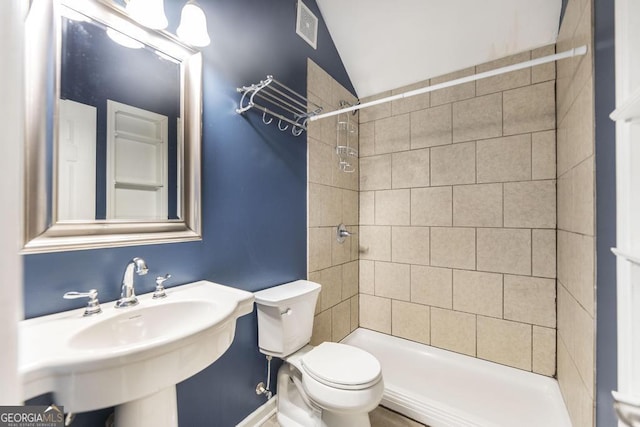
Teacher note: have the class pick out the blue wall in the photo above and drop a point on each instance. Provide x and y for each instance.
(605, 133)
(253, 202)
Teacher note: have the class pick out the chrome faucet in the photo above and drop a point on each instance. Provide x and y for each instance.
(128, 294)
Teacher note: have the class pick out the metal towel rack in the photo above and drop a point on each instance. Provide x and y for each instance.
(280, 102)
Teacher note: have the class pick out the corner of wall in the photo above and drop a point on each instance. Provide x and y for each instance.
(576, 216)
(333, 199)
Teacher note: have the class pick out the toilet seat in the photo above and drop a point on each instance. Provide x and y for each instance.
(342, 366)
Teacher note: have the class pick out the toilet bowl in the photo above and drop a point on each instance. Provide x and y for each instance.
(331, 385)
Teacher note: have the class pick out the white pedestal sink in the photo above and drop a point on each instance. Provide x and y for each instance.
(133, 357)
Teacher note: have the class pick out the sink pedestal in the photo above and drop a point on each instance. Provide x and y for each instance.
(157, 410)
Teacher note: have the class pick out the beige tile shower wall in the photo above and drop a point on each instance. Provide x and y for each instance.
(576, 217)
(458, 216)
(332, 199)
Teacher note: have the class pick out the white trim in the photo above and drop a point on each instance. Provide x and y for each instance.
(261, 415)
(626, 114)
(581, 50)
(629, 109)
(12, 14)
(622, 254)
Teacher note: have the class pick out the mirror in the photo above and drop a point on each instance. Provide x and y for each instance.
(113, 130)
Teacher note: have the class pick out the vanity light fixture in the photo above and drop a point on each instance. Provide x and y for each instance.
(193, 22)
(193, 25)
(149, 13)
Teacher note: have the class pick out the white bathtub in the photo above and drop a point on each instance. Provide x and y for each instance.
(445, 389)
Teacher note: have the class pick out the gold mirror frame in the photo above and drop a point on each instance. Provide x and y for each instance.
(42, 234)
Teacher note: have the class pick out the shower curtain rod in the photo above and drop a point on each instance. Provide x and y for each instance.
(538, 61)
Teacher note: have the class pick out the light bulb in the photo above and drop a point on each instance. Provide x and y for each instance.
(149, 13)
(193, 25)
(123, 40)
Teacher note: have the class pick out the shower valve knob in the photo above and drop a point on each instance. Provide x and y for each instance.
(342, 233)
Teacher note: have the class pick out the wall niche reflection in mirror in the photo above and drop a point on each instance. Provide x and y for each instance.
(118, 137)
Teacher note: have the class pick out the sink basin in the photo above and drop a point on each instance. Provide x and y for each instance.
(131, 354)
(144, 326)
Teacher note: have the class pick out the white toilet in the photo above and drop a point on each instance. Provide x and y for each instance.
(331, 385)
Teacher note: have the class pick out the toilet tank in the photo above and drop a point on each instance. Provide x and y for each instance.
(285, 317)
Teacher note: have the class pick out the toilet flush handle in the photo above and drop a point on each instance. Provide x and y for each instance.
(287, 312)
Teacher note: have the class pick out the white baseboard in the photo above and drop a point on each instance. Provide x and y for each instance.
(261, 414)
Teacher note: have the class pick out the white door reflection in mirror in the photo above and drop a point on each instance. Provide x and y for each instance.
(77, 161)
(137, 176)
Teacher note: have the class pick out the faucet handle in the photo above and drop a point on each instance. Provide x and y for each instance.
(160, 291)
(93, 306)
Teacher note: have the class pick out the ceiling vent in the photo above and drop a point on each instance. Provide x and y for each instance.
(307, 25)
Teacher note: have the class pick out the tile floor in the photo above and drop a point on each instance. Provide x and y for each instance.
(380, 417)
(383, 417)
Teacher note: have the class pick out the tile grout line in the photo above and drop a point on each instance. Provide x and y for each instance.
(503, 205)
(503, 299)
(531, 156)
(532, 349)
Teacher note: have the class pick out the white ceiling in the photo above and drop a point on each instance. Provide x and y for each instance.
(387, 44)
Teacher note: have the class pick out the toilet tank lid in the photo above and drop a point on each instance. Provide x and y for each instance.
(281, 294)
